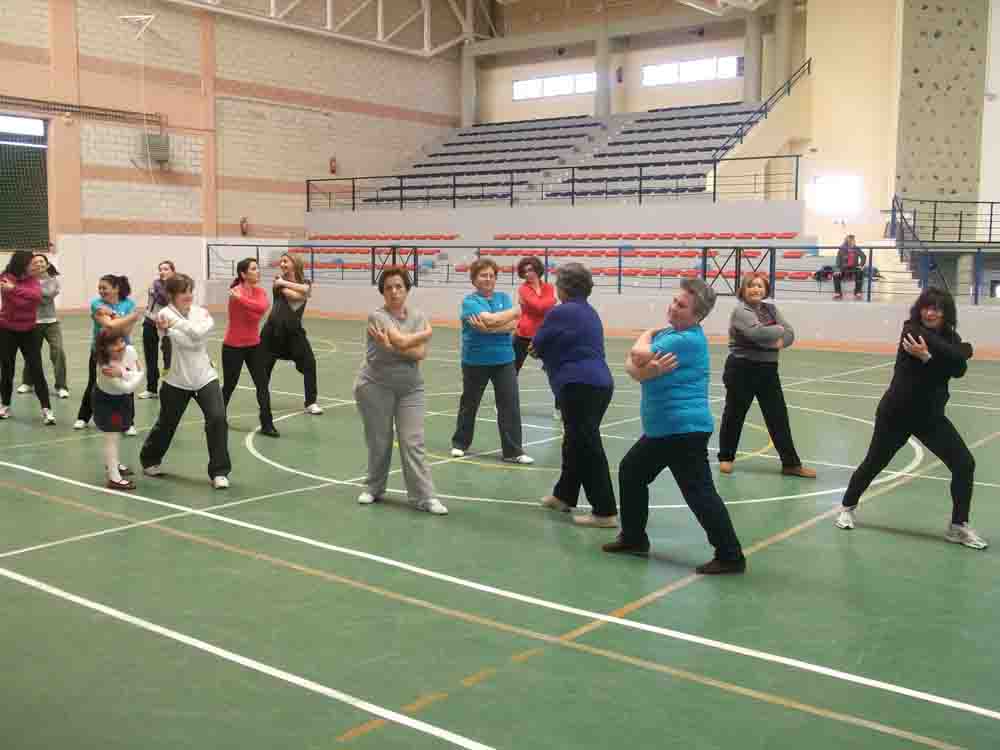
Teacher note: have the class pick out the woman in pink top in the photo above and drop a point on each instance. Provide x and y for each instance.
(21, 290)
(247, 305)
(536, 298)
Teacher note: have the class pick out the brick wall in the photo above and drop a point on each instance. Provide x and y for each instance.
(144, 202)
(114, 146)
(172, 41)
(24, 22)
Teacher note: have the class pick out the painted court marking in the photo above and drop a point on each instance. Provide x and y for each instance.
(595, 617)
(247, 662)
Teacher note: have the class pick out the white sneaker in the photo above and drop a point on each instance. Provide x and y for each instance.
(24, 388)
(62, 393)
(845, 519)
(4, 412)
(522, 459)
(146, 394)
(431, 505)
(553, 502)
(314, 409)
(221, 483)
(48, 417)
(131, 431)
(366, 498)
(154, 471)
(457, 453)
(80, 424)
(961, 533)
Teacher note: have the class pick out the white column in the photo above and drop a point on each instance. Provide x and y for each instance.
(602, 66)
(753, 45)
(470, 100)
(784, 17)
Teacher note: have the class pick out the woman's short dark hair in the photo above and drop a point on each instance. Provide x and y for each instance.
(105, 338)
(531, 261)
(388, 272)
(942, 300)
(241, 268)
(120, 283)
(19, 263)
(479, 264)
(575, 280)
(745, 284)
(178, 284)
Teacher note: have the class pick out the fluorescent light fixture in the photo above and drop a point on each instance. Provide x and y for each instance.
(839, 196)
(22, 126)
(24, 145)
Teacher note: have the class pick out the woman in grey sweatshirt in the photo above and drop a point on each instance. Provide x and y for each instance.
(757, 333)
(47, 327)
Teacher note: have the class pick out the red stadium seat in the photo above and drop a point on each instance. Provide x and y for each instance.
(685, 235)
(547, 236)
(631, 236)
(667, 254)
(650, 272)
(649, 253)
(564, 236)
(799, 276)
(461, 268)
(597, 236)
(649, 236)
(666, 236)
(578, 236)
(751, 253)
(690, 273)
(594, 253)
(515, 237)
(631, 271)
(670, 272)
(793, 254)
(688, 254)
(616, 236)
(558, 253)
(534, 236)
(786, 235)
(630, 253)
(780, 275)
(504, 236)
(578, 253)
(765, 235)
(705, 236)
(743, 236)
(723, 235)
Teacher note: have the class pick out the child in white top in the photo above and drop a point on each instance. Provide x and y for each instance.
(118, 376)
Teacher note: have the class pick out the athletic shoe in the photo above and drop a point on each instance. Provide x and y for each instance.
(4, 412)
(121, 484)
(725, 467)
(48, 417)
(553, 502)
(131, 431)
(845, 519)
(367, 498)
(522, 459)
(457, 453)
(80, 424)
(799, 471)
(600, 522)
(62, 393)
(153, 471)
(221, 483)
(269, 431)
(961, 533)
(716, 567)
(621, 546)
(431, 505)
(314, 409)
(146, 394)
(857, 296)
(25, 388)
(838, 296)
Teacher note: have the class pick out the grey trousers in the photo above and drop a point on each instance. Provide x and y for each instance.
(474, 380)
(382, 406)
(52, 332)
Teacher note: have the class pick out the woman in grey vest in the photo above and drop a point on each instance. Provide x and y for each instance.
(757, 333)
(389, 390)
(49, 329)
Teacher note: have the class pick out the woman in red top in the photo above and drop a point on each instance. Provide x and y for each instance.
(21, 291)
(247, 305)
(536, 298)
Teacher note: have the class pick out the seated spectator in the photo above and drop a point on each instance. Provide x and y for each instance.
(850, 263)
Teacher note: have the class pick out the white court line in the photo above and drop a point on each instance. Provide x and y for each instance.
(247, 662)
(521, 598)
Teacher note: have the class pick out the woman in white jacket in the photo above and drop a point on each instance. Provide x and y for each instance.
(118, 375)
(191, 376)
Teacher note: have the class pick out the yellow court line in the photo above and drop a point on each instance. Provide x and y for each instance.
(425, 701)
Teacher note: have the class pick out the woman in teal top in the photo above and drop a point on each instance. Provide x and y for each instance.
(488, 322)
(673, 367)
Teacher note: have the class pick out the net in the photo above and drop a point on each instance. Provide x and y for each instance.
(24, 195)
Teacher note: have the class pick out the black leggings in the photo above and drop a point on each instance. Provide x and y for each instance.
(293, 345)
(255, 358)
(521, 345)
(30, 345)
(152, 343)
(941, 438)
(86, 403)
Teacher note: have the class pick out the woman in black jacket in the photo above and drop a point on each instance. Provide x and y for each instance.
(930, 354)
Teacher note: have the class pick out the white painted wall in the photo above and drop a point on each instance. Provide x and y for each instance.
(989, 175)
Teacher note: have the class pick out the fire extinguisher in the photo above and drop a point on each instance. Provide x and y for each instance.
(333, 165)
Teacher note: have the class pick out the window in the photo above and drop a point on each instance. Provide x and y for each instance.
(586, 83)
(692, 71)
(564, 85)
(21, 126)
(531, 89)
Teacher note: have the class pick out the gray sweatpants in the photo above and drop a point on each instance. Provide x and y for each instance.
(52, 332)
(380, 407)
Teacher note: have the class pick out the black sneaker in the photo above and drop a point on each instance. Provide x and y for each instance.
(621, 546)
(269, 431)
(715, 567)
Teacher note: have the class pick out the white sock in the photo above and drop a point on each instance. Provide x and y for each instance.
(111, 441)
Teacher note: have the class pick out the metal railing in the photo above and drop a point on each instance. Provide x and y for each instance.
(619, 268)
(775, 178)
(972, 222)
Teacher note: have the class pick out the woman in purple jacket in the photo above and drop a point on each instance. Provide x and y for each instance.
(151, 341)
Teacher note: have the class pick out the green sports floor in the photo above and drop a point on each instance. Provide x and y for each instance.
(281, 614)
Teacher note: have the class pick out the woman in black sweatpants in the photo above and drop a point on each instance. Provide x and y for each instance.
(930, 353)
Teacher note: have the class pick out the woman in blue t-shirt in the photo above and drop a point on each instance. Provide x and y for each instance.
(111, 310)
(488, 320)
(672, 365)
